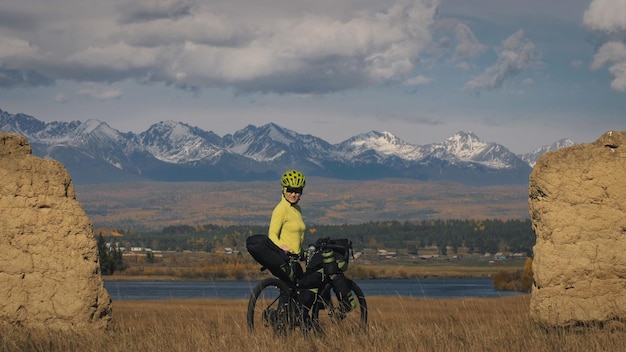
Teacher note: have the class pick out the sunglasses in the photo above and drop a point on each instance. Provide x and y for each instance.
(294, 190)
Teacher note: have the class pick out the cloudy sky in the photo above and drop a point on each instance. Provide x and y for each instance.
(519, 73)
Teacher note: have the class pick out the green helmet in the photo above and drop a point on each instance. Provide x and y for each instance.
(293, 179)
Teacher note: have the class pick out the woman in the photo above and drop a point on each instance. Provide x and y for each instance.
(286, 232)
(286, 225)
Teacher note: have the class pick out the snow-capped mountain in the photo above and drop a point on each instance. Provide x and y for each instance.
(272, 143)
(532, 157)
(384, 144)
(467, 147)
(93, 152)
(175, 142)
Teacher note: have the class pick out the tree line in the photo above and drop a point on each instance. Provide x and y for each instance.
(110, 258)
(475, 236)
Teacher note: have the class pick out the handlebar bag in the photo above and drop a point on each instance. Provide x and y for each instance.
(341, 248)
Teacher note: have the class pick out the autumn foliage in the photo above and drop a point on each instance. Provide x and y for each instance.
(520, 280)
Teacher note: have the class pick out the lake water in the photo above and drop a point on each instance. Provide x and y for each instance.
(425, 288)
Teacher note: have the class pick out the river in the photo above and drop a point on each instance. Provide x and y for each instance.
(417, 288)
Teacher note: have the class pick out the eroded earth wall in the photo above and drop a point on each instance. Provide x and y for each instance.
(577, 204)
(49, 271)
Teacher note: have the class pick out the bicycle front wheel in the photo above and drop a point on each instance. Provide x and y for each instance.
(268, 305)
(328, 312)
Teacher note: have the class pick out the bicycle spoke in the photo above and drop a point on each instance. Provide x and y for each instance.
(268, 306)
(330, 315)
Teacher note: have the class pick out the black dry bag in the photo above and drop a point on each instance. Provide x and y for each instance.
(272, 257)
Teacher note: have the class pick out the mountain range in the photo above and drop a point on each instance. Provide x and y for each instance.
(93, 152)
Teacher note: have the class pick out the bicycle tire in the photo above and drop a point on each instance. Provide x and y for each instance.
(265, 306)
(333, 316)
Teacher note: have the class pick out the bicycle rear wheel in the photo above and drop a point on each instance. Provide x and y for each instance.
(269, 305)
(327, 312)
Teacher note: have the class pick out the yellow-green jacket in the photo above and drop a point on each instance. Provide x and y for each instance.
(287, 227)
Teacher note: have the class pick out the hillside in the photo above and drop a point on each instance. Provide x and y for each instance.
(154, 205)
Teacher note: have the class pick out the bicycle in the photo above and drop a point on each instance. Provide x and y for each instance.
(274, 304)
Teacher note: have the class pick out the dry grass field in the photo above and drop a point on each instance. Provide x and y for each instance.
(396, 324)
(155, 205)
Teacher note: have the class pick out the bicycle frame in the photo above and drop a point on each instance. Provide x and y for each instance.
(274, 304)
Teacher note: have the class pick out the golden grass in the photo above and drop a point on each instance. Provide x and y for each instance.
(396, 324)
(392, 271)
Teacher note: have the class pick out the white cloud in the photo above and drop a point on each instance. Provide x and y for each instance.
(608, 16)
(15, 47)
(16, 56)
(514, 57)
(418, 81)
(614, 52)
(468, 46)
(118, 57)
(99, 92)
(619, 72)
(264, 46)
(463, 47)
(609, 52)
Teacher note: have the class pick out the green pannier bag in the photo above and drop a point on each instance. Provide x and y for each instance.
(341, 252)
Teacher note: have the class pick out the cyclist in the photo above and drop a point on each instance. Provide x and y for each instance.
(287, 228)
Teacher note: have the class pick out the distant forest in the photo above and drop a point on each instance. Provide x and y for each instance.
(474, 236)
